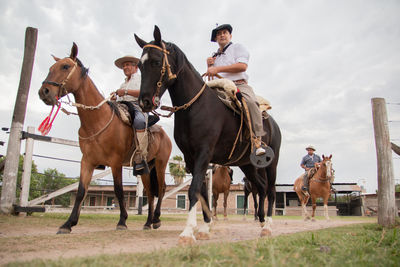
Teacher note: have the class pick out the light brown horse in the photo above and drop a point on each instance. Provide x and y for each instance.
(319, 186)
(104, 139)
(221, 183)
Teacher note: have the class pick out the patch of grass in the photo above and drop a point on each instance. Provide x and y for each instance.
(355, 245)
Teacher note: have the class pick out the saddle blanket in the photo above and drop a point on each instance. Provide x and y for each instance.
(226, 91)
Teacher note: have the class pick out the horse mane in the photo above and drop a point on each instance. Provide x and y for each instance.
(84, 70)
(178, 52)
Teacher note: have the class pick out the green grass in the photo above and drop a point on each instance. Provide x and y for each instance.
(355, 245)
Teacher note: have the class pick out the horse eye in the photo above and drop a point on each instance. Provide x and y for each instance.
(65, 67)
(156, 63)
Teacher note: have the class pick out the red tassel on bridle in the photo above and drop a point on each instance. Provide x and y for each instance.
(45, 127)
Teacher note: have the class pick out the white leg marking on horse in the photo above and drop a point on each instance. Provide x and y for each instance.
(326, 212)
(144, 58)
(267, 229)
(191, 223)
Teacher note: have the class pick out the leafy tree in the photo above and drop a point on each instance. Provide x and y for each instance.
(397, 188)
(45, 183)
(177, 170)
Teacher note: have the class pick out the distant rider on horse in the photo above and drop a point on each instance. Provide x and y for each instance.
(308, 163)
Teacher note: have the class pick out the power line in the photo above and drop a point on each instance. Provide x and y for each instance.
(46, 157)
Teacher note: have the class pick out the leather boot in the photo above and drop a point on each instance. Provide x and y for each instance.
(140, 160)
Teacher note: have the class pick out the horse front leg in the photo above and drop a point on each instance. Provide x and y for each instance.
(304, 202)
(187, 236)
(255, 206)
(119, 193)
(314, 207)
(270, 175)
(246, 196)
(86, 176)
(326, 213)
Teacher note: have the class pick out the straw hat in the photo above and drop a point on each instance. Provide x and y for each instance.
(119, 62)
(310, 147)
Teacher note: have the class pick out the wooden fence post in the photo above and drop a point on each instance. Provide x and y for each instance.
(8, 192)
(27, 172)
(386, 192)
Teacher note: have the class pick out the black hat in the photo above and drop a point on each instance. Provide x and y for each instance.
(220, 27)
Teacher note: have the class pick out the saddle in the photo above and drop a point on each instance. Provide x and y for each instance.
(126, 112)
(226, 92)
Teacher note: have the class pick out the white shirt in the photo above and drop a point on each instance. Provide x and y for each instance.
(235, 53)
(132, 84)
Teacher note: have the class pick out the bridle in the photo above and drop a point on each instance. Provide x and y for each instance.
(165, 66)
(171, 76)
(61, 86)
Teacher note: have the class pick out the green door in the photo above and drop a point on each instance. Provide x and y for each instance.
(239, 204)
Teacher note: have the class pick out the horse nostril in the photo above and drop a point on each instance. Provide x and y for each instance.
(46, 91)
(147, 103)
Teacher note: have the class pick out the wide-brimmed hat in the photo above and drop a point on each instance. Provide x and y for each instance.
(119, 62)
(220, 27)
(310, 147)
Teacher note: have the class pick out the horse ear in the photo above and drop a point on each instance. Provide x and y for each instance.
(139, 41)
(55, 58)
(323, 157)
(330, 156)
(157, 35)
(74, 51)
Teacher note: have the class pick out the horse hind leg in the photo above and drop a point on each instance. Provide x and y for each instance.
(215, 203)
(226, 204)
(119, 193)
(204, 229)
(150, 200)
(85, 178)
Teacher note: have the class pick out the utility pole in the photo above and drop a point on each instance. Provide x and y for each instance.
(8, 193)
(386, 192)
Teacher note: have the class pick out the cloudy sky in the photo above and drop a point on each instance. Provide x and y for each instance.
(318, 62)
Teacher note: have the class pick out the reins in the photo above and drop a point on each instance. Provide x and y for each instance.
(171, 76)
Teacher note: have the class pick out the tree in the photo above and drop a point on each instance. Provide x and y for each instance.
(177, 170)
(43, 183)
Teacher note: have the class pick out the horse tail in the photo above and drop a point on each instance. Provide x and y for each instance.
(154, 182)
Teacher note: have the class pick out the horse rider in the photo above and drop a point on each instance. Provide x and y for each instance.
(308, 163)
(230, 61)
(129, 91)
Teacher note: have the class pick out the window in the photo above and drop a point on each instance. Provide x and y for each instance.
(92, 201)
(181, 202)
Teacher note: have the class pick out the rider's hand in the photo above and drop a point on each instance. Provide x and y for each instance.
(210, 61)
(212, 71)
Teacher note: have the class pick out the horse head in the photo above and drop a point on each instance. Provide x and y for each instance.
(327, 164)
(62, 78)
(157, 72)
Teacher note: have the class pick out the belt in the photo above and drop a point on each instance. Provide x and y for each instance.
(241, 81)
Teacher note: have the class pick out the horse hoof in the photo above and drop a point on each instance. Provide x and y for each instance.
(156, 225)
(262, 224)
(186, 240)
(63, 231)
(146, 227)
(202, 236)
(265, 233)
(121, 227)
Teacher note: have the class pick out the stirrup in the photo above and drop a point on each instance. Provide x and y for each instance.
(140, 168)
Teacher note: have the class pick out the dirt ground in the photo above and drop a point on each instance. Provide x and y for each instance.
(27, 238)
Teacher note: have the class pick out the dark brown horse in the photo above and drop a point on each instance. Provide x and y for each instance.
(204, 129)
(249, 188)
(104, 139)
(319, 186)
(221, 183)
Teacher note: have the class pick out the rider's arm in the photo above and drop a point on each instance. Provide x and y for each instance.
(234, 68)
(122, 92)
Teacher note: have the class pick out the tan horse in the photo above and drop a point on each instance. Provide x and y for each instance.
(104, 139)
(221, 183)
(319, 186)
